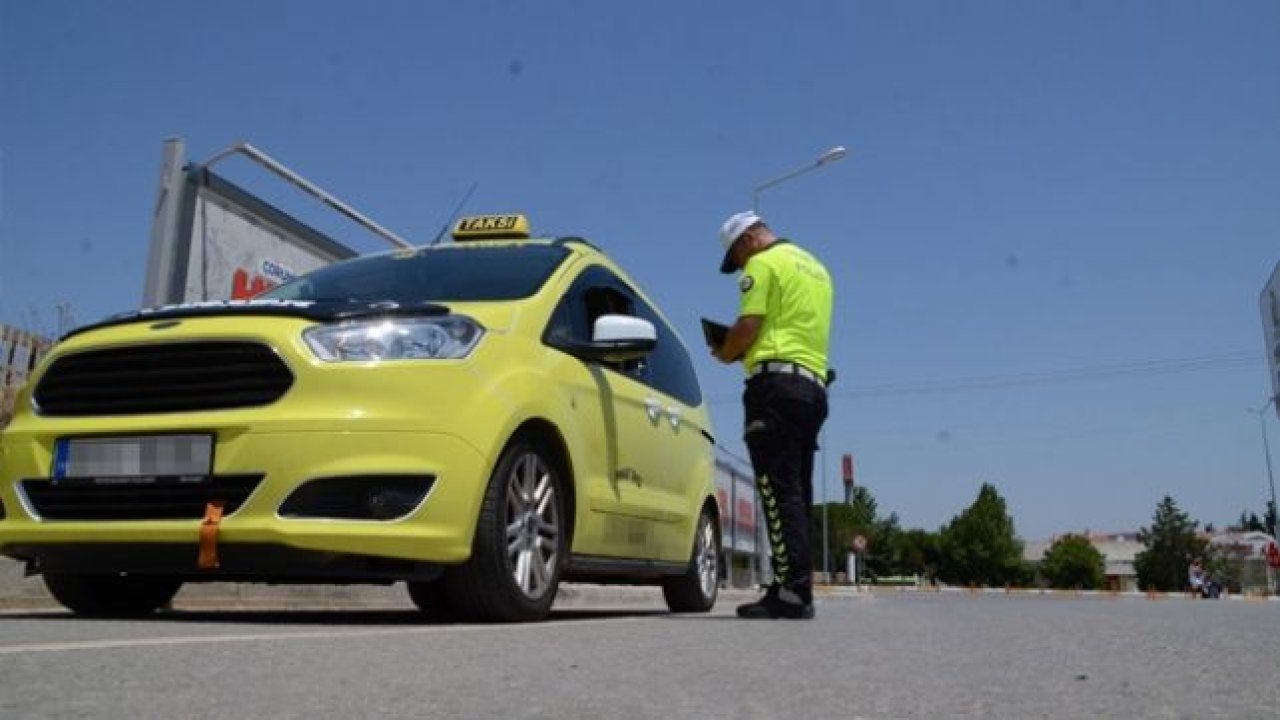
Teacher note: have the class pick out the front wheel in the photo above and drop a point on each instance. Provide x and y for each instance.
(519, 546)
(111, 596)
(696, 589)
(431, 598)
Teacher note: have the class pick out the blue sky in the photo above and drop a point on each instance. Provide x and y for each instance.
(1048, 238)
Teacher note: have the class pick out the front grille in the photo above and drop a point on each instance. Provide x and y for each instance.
(156, 501)
(145, 379)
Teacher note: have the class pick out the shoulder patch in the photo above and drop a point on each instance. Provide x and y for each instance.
(746, 283)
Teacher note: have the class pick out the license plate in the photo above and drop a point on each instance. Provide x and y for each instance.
(141, 459)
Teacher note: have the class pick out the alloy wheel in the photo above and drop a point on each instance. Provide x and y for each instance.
(533, 525)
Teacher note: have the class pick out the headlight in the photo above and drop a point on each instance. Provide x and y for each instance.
(436, 338)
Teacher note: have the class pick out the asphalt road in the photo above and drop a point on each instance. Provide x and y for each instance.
(892, 656)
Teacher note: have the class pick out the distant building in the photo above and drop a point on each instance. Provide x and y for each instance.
(1247, 554)
(1251, 544)
(1120, 549)
(1118, 552)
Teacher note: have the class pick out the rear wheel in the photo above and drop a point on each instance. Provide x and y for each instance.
(115, 596)
(696, 589)
(519, 546)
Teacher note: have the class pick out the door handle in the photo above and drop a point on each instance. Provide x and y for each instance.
(653, 408)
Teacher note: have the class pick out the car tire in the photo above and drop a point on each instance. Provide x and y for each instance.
(431, 599)
(697, 588)
(519, 546)
(111, 596)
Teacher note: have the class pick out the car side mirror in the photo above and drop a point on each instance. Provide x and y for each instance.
(619, 338)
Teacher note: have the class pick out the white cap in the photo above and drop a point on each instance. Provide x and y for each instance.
(730, 231)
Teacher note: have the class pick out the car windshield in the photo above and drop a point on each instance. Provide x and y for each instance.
(441, 274)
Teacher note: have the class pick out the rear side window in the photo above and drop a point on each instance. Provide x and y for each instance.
(670, 369)
(439, 274)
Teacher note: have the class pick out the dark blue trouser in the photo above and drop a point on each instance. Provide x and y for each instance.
(783, 414)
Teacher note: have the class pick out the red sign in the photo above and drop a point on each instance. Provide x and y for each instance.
(859, 543)
(244, 286)
(847, 466)
(1273, 555)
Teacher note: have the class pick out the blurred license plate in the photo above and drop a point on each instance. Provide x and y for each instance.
(142, 459)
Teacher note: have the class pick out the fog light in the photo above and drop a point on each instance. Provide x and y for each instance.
(388, 503)
(358, 497)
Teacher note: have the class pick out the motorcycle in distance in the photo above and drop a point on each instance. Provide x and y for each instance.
(1211, 589)
(1203, 584)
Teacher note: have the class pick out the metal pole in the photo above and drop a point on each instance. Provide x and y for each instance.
(311, 189)
(825, 158)
(733, 524)
(158, 288)
(1271, 483)
(826, 549)
(755, 196)
(764, 546)
(829, 156)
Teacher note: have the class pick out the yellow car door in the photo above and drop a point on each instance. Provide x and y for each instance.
(684, 438)
(621, 423)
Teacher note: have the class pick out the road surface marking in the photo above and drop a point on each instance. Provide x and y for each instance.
(119, 643)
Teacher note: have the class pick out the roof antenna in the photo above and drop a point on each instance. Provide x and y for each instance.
(445, 228)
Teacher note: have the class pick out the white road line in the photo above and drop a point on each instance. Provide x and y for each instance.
(125, 643)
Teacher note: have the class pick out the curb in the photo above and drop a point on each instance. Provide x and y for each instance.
(1049, 592)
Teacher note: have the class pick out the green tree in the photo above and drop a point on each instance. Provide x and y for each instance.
(1171, 544)
(1073, 562)
(1225, 565)
(916, 553)
(979, 546)
(860, 516)
(1249, 522)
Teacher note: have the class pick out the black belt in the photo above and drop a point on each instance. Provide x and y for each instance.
(788, 368)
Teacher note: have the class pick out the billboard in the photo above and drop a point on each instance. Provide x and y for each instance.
(239, 247)
(736, 493)
(20, 351)
(213, 240)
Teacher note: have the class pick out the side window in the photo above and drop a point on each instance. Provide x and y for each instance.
(604, 300)
(609, 300)
(670, 369)
(596, 292)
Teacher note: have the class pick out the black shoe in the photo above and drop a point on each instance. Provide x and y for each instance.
(778, 602)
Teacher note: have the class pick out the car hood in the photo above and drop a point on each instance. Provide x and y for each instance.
(492, 315)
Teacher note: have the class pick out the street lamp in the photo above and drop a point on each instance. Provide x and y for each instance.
(825, 158)
(1266, 449)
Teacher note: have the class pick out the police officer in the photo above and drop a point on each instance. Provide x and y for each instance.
(781, 336)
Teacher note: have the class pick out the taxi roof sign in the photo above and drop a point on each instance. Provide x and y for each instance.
(487, 227)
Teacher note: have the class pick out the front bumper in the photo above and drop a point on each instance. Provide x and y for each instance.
(438, 531)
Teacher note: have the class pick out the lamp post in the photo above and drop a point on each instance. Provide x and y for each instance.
(825, 158)
(833, 154)
(1266, 450)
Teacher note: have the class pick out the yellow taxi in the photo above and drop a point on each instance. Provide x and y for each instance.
(483, 419)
